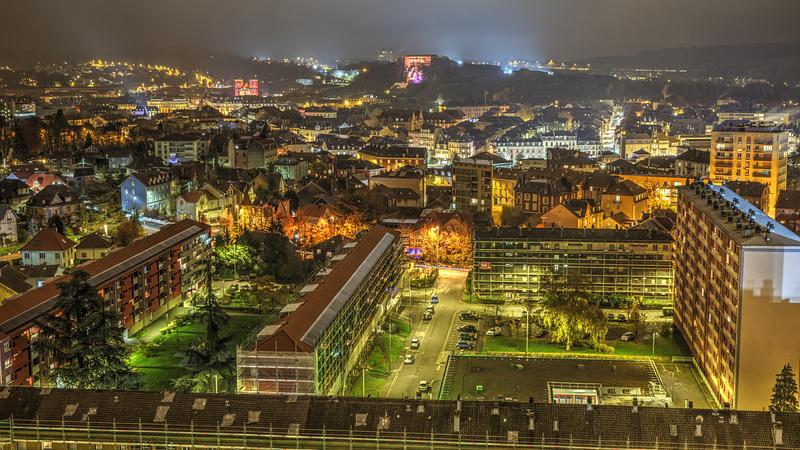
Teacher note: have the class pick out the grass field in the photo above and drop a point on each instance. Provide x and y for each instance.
(159, 362)
(663, 347)
(377, 367)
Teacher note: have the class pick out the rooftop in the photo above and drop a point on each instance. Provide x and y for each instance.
(744, 223)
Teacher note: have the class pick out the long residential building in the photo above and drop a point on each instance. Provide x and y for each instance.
(314, 349)
(140, 282)
(513, 262)
(737, 293)
(746, 151)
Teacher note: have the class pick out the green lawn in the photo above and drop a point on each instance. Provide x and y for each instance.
(157, 362)
(664, 347)
(9, 249)
(371, 387)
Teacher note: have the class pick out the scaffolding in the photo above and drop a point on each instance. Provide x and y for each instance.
(277, 373)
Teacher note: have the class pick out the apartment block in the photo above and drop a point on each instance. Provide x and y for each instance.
(177, 148)
(512, 262)
(141, 282)
(737, 293)
(317, 348)
(749, 151)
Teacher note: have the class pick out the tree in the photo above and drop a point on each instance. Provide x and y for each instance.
(21, 150)
(56, 222)
(514, 217)
(637, 321)
(214, 368)
(84, 340)
(567, 306)
(265, 293)
(127, 232)
(784, 393)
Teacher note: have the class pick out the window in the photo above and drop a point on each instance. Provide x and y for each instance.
(42, 255)
(6, 346)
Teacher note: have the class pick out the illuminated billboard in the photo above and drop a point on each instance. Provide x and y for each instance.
(242, 87)
(415, 68)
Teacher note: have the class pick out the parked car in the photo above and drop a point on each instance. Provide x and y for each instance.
(468, 315)
(627, 336)
(612, 317)
(245, 288)
(434, 299)
(415, 343)
(496, 331)
(541, 333)
(424, 386)
(466, 337)
(467, 328)
(465, 344)
(409, 359)
(427, 316)
(621, 317)
(234, 287)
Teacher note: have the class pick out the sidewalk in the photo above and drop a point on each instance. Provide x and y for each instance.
(153, 329)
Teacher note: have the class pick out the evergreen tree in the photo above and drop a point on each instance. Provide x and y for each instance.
(56, 222)
(214, 371)
(84, 340)
(88, 140)
(20, 150)
(784, 393)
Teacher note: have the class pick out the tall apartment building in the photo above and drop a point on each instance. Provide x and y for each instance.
(315, 348)
(749, 151)
(631, 262)
(472, 181)
(140, 282)
(737, 293)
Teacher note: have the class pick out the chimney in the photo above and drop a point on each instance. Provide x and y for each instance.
(555, 425)
(698, 430)
(777, 433)
(530, 420)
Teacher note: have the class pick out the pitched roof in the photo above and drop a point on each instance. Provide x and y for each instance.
(194, 196)
(14, 280)
(788, 199)
(695, 156)
(17, 311)
(305, 324)
(152, 177)
(625, 187)
(53, 192)
(747, 188)
(48, 240)
(94, 240)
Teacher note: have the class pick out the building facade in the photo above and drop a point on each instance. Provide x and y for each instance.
(151, 190)
(177, 148)
(141, 282)
(513, 262)
(737, 293)
(745, 151)
(314, 349)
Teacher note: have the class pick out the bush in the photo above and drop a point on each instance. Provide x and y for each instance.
(604, 348)
(665, 329)
(148, 350)
(667, 311)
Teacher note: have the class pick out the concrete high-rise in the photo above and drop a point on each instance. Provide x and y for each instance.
(749, 151)
(737, 293)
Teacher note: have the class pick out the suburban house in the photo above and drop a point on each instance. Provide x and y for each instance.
(92, 246)
(150, 190)
(201, 205)
(8, 224)
(625, 197)
(49, 247)
(574, 213)
(55, 200)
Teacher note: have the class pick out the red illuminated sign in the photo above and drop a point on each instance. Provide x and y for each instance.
(242, 87)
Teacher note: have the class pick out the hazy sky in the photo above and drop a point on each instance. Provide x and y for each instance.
(462, 29)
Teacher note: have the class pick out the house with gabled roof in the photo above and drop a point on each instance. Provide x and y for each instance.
(93, 246)
(574, 213)
(626, 197)
(8, 224)
(200, 205)
(149, 190)
(49, 247)
(55, 200)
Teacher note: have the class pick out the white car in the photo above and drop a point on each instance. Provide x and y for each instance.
(496, 331)
(627, 336)
(415, 343)
(423, 386)
(409, 359)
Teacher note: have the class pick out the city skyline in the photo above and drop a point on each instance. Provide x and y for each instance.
(356, 29)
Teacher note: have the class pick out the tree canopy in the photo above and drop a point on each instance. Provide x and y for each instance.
(784, 393)
(568, 305)
(84, 340)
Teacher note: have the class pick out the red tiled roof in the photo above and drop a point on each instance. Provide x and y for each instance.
(16, 306)
(48, 240)
(194, 196)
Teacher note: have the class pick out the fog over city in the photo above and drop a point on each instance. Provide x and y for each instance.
(465, 29)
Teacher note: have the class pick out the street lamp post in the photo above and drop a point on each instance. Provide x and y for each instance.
(654, 343)
(527, 330)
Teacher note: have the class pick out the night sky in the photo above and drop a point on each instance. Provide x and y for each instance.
(462, 29)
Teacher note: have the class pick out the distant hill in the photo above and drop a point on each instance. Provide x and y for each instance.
(720, 60)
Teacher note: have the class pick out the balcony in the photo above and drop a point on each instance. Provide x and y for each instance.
(723, 164)
(761, 175)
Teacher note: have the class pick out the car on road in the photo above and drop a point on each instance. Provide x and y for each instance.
(424, 386)
(465, 344)
(621, 317)
(627, 336)
(612, 317)
(541, 333)
(409, 359)
(415, 343)
(496, 331)
(467, 328)
(427, 316)
(434, 299)
(468, 315)
(466, 337)
(430, 309)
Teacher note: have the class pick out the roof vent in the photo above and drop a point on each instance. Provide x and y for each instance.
(555, 425)
(734, 419)
(698, 430)
(531, 417)
(496, 409)
(161, 413)
(253, 417)
(738, 224)
(716, 205)
(673, 430)
(777, 433)
(361, 420)
(199, 404)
